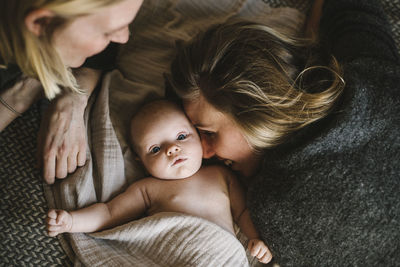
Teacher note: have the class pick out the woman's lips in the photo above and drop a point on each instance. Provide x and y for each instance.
(178, 161)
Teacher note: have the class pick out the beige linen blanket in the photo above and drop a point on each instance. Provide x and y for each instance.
(166, 239)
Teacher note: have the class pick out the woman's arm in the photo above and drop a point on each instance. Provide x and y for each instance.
(17, 98)
(62, 140)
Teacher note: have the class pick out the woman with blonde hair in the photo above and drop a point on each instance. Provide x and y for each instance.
(312, 128)
(43, 51)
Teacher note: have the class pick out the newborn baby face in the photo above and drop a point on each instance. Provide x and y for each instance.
(166, 142)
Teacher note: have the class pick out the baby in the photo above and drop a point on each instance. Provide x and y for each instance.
(170, 149)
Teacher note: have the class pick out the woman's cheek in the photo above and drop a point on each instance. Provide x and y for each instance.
(96, 46)
(101, 47)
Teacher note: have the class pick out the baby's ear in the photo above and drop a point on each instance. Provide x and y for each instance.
(138, 159)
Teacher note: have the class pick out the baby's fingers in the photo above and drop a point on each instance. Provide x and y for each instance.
(52, 214)
(62, 216)
(54, 228)
(58, 215)
(266, 258)
(51, 221)
(254, 248)
(258, 249)
(52, 233)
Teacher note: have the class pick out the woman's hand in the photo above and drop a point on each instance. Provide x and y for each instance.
(62, 136)
(62, 140)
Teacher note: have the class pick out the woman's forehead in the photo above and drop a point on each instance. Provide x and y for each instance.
(204, 115)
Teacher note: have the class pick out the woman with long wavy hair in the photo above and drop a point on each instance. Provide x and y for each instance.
(313, 128)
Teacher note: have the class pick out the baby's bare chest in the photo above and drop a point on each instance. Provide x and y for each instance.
(201, 197)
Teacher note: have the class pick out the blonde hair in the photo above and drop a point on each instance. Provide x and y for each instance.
(269, 83)
(35, 55)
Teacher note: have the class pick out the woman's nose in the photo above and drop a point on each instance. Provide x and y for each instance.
(208, 151)
(121, 36)
(172, 149)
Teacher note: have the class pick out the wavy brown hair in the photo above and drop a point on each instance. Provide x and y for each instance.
(269, 83)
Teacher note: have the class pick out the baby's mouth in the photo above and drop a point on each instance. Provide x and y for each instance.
(178, 161)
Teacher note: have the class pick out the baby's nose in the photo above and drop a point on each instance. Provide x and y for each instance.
(173, 149)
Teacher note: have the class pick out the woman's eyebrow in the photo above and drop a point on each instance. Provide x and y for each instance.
(202, 126)
(199, 125)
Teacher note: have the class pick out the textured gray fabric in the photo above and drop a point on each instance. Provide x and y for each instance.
(330, 197)
(23, 238)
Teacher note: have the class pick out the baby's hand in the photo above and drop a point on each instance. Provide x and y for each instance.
(258, 249)
(58, 221)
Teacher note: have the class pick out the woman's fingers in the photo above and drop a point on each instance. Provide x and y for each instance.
(49, 167)
(81, 155)
(51, 136)
(62, 139)
(72, 161)
(267, 257)
(62, 165)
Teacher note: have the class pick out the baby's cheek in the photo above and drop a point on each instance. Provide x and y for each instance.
(157, 167)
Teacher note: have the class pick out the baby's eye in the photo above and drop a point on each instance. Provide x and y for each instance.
(181, 137)
(155, 149)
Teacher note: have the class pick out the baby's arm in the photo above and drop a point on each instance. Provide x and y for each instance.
(123, 208)
(241, 216)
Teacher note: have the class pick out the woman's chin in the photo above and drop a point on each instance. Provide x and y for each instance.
(75, 62)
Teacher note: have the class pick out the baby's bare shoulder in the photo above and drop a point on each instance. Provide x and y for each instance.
(217, 170)
(143, 183)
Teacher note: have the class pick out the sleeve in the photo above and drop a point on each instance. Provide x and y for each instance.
(105, 60)
(9, 76)
(351, 29)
